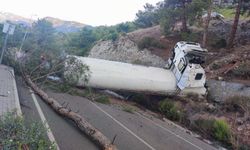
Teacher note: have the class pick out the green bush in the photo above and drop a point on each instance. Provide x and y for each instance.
(103, 99)
(128, 109)
(218, 129)
(113, 36)
(14, 134)
(149, 42)
(222, 131)
(170, 110)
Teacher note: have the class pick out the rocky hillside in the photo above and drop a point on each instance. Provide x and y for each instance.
(125, 50)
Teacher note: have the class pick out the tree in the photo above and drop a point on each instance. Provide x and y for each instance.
(209, 10)
(147, 17)
(125, 27)
(42, 35)
(86, 37)
(181, 7)
(242, 7)
(185, 11)
(235, 24)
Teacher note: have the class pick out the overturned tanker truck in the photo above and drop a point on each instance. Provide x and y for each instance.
(182, 74)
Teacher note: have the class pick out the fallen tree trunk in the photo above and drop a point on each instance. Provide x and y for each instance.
(82, 124)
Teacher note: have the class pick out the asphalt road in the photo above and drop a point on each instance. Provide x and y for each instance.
(133, 131)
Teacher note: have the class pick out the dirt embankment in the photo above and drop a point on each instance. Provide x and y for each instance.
(221, 64)
(125, 48)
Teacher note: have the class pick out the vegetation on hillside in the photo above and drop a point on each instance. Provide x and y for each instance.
(178, 15)
(15, 134)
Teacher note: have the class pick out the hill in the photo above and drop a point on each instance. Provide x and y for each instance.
(65, 26)
(4, 16)
(59, 24)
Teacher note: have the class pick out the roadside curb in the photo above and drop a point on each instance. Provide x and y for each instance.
(12, 95)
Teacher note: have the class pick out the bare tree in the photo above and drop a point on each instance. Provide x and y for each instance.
(184, 17)
(206, 25)
(235, 25)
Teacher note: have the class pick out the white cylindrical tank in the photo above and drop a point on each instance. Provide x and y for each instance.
(113, 75)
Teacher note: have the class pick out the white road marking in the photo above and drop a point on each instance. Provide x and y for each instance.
(118, 122)
(170, 131)
(40, 112)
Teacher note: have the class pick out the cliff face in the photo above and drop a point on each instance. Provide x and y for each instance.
(125, 50)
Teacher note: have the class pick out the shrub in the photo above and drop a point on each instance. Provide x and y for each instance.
(142, 99)
(103, 99)
(204, 125)
(62, 87)
(138, 62)
(215, 66)
(243, 70)
(128, 109)
(217, 129)
(14, 134)
(186, 36)
(148, 42)
(219, 43)
(193, 96)
(221, 131)
(238, 103)
(170, 110)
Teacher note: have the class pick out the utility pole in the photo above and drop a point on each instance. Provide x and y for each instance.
(24, 37)
(8, 29)
(4, 47)
(26, 32)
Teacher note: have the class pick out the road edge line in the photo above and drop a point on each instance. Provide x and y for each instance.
(118, 122)
(45, 122)
(160, 126)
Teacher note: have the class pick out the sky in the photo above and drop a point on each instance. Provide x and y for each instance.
(91, 12)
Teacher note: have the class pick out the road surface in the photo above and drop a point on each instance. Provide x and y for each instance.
(133, 131)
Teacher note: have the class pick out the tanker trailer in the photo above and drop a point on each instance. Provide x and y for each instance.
(182, 74)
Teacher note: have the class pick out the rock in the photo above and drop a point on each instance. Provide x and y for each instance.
(210, 107)
(239, 121)
(248, 126)
(196, 135)
(220, 78)
(188, 132)
(207, 141)
(240, 128)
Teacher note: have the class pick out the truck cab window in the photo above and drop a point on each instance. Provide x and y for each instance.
(182, 65)
(198, 76)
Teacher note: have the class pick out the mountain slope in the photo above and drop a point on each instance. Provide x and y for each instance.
(4, 16)
(58, 24)
(65, 26)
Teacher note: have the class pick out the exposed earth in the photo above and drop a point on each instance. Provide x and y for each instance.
(227, 70)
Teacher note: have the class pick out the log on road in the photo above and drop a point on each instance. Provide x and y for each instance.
(93, 133)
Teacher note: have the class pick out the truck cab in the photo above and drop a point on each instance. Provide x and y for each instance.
(185, 64)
